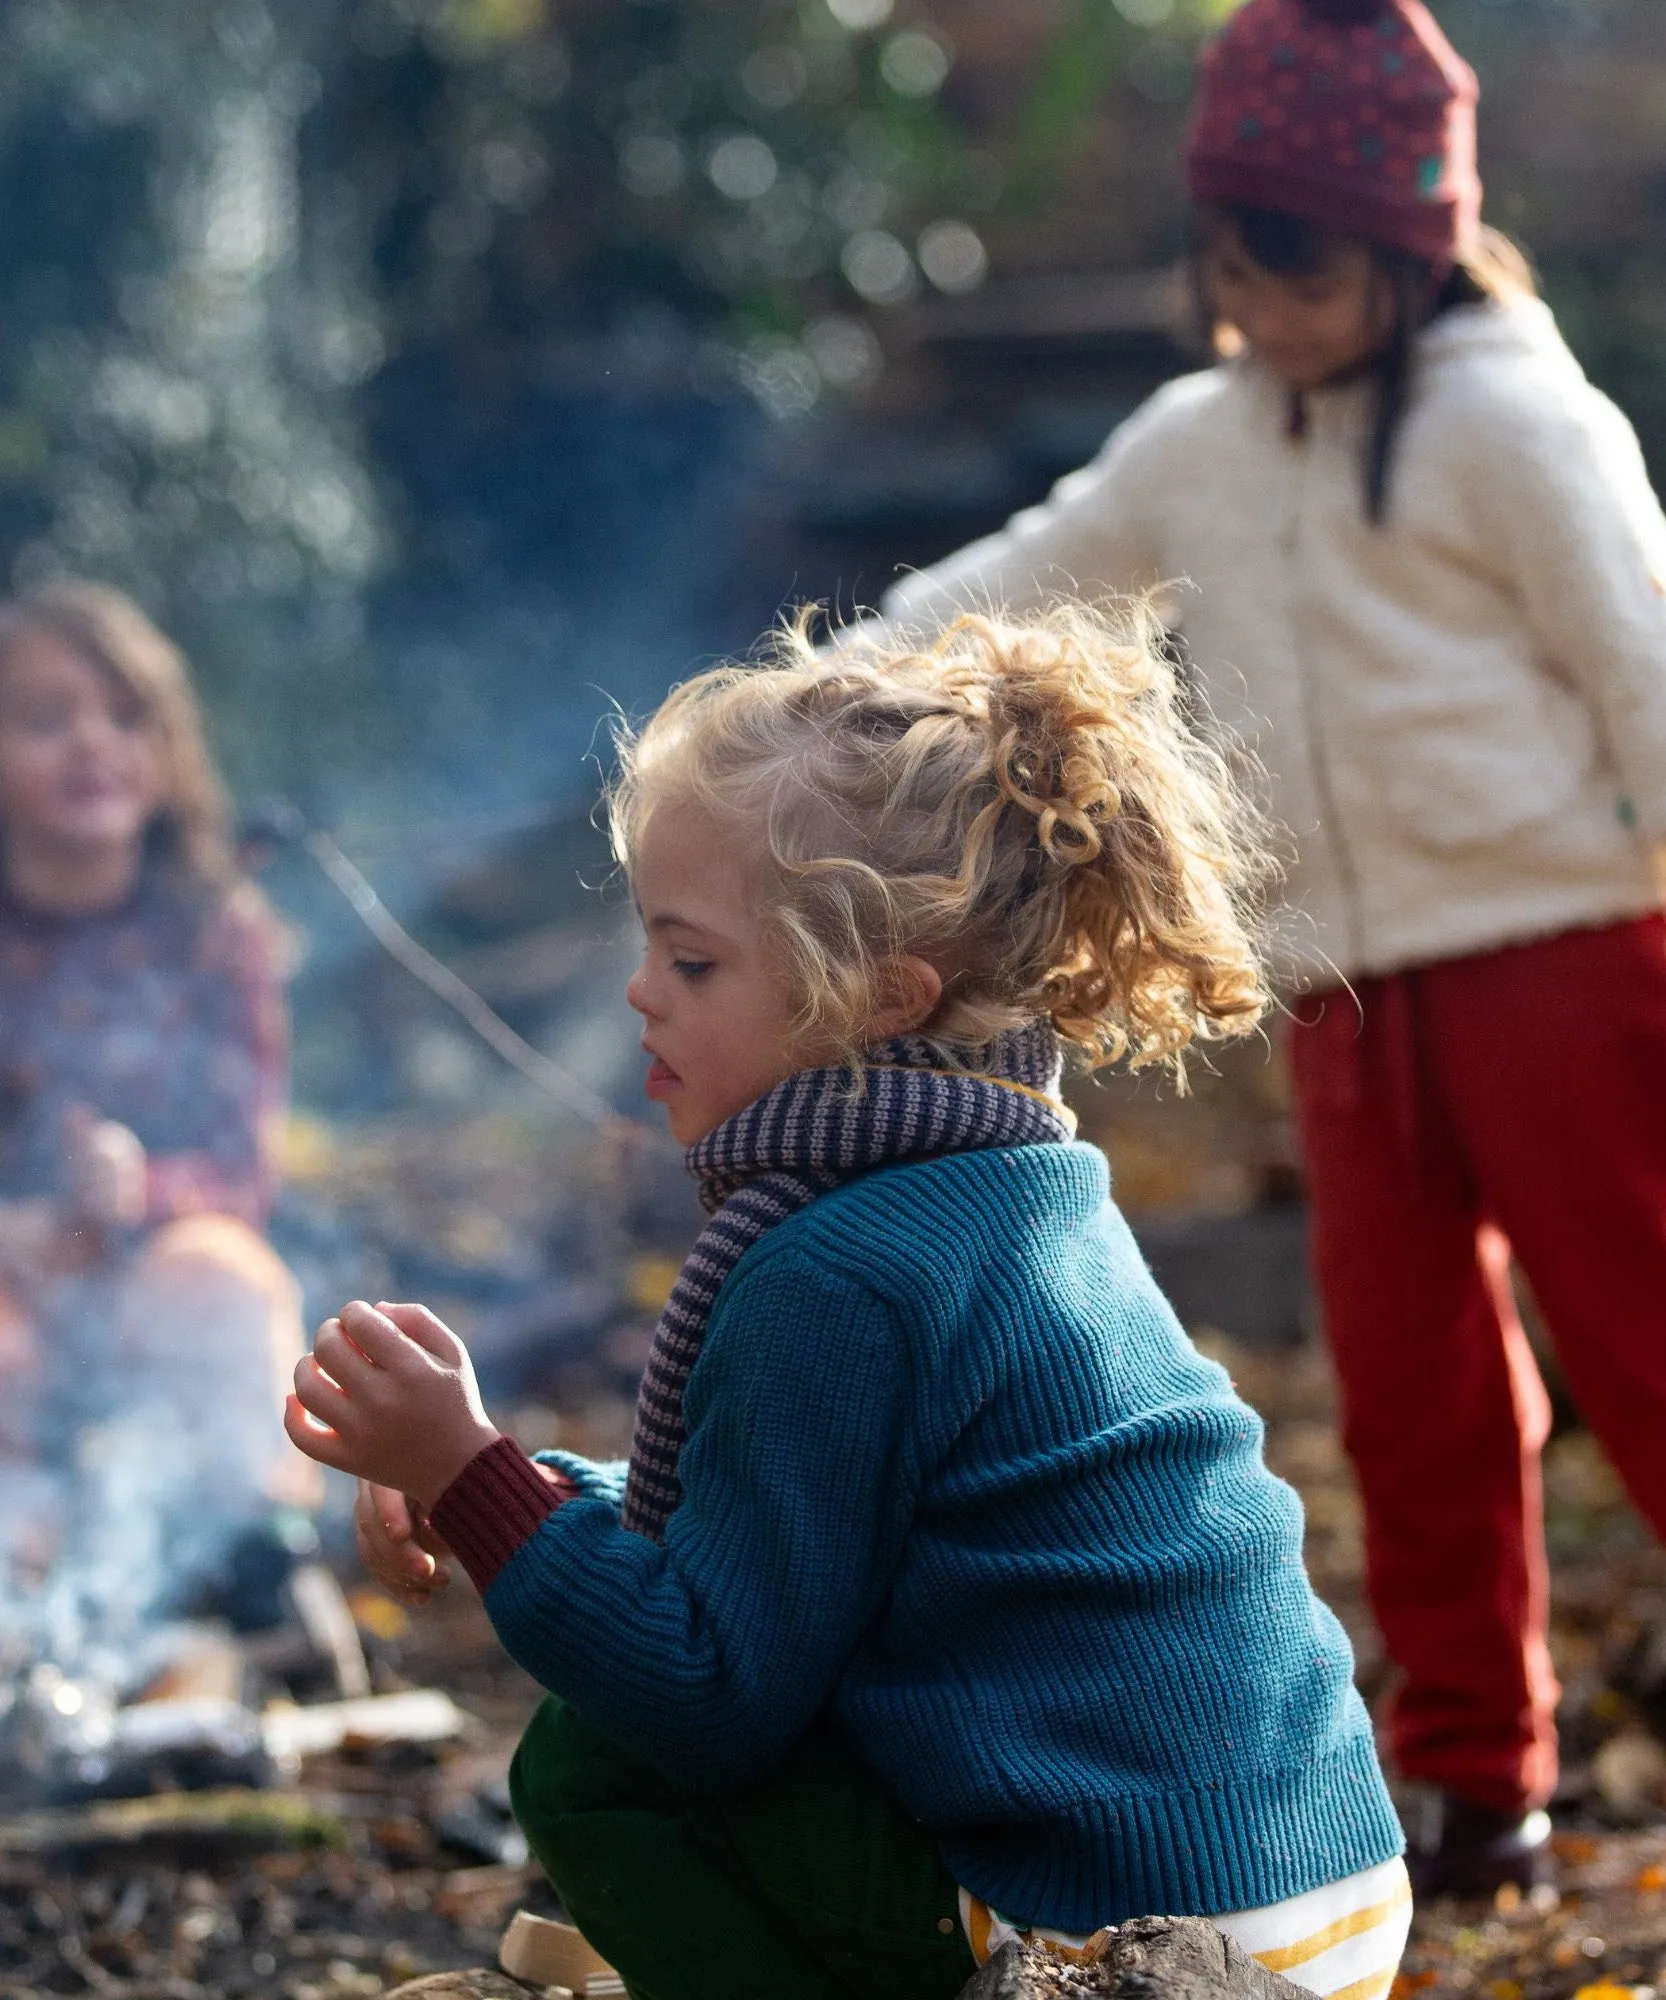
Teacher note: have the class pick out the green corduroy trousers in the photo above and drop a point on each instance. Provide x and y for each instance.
(812, 1884)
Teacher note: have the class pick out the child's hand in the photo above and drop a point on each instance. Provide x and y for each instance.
(397, 1545)
(388, 1393)
(107, 1179)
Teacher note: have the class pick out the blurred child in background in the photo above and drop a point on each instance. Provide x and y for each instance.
(143, 1056)
(1430, 585)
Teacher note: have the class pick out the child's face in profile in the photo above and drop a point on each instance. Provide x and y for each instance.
(718, 1017)
(1311, 326)
(80, 762)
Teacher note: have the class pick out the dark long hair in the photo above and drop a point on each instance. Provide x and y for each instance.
(1494, 272)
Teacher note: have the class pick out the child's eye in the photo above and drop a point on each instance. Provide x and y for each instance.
(42, 721)
(690, 968)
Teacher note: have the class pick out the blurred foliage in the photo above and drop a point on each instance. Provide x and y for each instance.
(222, 220)
(218, 220)
(167, 416)
(725, 160)
(770, 169)
(1153, 42)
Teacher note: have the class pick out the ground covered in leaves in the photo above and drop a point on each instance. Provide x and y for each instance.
(368, 1887)
(360, 1893)
(1607, 1928)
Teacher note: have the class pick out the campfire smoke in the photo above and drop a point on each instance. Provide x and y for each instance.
(100, 1566)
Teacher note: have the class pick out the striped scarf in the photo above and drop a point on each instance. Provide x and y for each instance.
(810, 1133)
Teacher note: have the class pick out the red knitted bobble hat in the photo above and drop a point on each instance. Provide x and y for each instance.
(1358, 115)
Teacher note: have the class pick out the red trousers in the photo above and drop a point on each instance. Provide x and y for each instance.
(1515, 1100)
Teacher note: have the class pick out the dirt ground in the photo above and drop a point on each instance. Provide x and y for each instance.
(373, 1883)
(1608, 1927)
(384, 1897)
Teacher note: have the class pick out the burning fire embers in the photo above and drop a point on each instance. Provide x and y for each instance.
(66, 1740)
(385, 1859)
(160, 1620)
(187, 1721)
(186, 1704)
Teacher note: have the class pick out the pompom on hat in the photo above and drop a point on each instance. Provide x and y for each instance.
(1358, 115)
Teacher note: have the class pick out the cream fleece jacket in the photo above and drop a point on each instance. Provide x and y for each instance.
(1462, 711)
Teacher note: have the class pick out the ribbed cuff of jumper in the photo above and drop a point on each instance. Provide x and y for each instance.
(499, 1500)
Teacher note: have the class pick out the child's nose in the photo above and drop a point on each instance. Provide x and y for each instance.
(93, 729)
(637, 991)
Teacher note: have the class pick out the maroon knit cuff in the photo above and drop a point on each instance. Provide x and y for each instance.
(496, 1503)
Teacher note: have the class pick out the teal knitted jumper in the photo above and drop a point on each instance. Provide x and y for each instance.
(954, 1471)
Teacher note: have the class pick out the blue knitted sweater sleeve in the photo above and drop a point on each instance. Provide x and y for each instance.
(710, 1654)
(595, 1478)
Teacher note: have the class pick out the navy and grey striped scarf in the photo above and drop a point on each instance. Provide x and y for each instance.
(798, 1140)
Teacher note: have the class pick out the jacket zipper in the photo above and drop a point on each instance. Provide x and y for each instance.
(1295, 555)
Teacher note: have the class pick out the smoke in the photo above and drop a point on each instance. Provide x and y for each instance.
(106, 1549)
(130, 1538)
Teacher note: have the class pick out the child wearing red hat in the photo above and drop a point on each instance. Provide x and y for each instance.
(1350, 114)
(1428, 585)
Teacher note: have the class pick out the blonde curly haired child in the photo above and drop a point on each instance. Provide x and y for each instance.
(946, 1592)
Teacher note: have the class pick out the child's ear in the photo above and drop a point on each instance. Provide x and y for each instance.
(909, 990)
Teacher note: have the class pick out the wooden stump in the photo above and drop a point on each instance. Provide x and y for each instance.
(536, 1957)
(1152, 1958)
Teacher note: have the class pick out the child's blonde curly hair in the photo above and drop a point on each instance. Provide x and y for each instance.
(1024, 805)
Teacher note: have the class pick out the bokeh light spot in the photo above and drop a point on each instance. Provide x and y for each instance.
(860, 15)
(915, 63)
(775, 78)
(743, 167)
(651, 164)
(953, 257)
(845, 350)
(879, 267)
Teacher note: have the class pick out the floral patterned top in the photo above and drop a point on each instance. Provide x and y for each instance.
(167, 1015)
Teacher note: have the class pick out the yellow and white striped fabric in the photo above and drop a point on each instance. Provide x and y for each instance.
(1343, 1941)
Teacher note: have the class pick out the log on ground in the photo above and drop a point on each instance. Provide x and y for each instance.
(1151, 1958)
